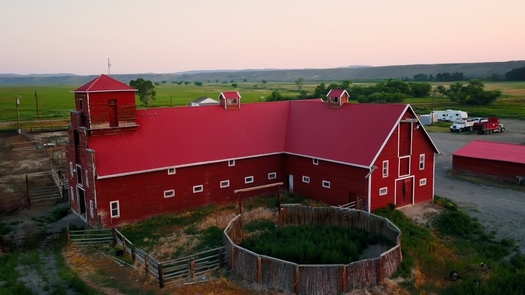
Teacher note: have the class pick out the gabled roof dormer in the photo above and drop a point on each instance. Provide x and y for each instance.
(337, 97)
(230, 100)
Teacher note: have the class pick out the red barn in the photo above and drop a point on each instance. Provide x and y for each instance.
(505, 161)
(127, 165)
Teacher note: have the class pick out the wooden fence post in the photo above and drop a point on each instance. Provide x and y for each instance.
(68, 238)
(146, 263)
(296, 279)
(345, 282)
(114, 234)
(161, 276)
(259, 270)
(221, 257)
(192, 268)
(133, 255)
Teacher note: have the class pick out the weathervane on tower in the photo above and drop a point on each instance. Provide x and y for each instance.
(109, 67)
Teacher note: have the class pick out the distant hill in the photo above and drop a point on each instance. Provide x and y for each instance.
(352, 73)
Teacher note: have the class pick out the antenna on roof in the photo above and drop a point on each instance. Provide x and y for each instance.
(109, 67)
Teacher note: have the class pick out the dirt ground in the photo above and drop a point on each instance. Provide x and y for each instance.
(501, 210)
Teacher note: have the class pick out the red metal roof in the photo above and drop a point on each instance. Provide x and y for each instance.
(104, 83)
(497, 151)
(336, 93)
(181, 136)
(230, 94)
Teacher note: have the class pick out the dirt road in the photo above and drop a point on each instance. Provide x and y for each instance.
(498, 210)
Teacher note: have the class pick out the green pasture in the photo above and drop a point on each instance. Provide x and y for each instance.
(55, 101)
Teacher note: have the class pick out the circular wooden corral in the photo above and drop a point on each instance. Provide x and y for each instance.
(295, 278)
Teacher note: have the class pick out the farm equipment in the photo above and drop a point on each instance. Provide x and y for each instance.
(462, 125)
(454, 275)
(490, 126)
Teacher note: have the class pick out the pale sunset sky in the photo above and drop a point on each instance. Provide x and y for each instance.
(168, 36)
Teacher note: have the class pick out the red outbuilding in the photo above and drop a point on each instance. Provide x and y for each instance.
(127, 165)
(503, 161)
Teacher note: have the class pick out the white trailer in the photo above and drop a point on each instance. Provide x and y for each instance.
(450, 115)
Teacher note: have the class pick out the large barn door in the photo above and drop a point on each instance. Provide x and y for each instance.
(112, 113)
(404, 192)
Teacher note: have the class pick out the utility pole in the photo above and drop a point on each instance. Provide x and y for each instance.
(171, 100)
(18, 113)
(36, 100)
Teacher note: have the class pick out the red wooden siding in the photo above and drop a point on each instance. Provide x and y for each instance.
(502, 170)
(99, 108)
(142, 195)
(346, 182)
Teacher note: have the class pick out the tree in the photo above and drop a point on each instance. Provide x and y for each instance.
(197, 83)
(517, 74)
(275, 96)
(420, 89)
(234, 85)
(299, 82)
(471, 94)
(146, 90)
(421, 77)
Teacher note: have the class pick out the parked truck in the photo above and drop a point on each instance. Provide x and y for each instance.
(490, 126)
(462, 125)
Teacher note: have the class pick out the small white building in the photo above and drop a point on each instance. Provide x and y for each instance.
(204, 101)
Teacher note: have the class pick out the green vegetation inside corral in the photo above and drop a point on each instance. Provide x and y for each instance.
(311, 244)
(456, 242)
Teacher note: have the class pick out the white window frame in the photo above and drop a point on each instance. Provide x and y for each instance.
(117, 208)
(72, 192)
(91, 209)
(306, 179)
(422, 182)
(169, 193)
(422, 162)
(272, 175)
(87, 178)
(71, 170)
(172, 171)
(383, 191)
(224, 183)
(315, 161)
(249, 179)
(326, 184)
(231, 163)
(81, 182)
(385, 169)
(198, 188)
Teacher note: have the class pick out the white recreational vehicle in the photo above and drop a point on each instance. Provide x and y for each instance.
(450, 115)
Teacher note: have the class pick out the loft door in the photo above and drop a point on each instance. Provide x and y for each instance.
(112, 113)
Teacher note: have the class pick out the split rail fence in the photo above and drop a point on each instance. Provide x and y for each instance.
(194, 267)
(295, 278)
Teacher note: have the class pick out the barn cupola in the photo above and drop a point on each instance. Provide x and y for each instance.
(337, 97)
(104, 103)
(230, 100)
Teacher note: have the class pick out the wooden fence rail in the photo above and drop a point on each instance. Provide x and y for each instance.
(171, 271)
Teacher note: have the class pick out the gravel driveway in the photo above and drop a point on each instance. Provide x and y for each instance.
(498, 210)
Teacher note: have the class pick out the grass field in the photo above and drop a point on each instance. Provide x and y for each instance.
(55, 101)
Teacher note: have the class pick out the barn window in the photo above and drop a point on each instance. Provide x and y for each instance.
(272, 175)
(385, 168)
(336, 99)
(383, 191)
(306, 179)
(231, 163)
(169, 193)
(79, 176)
(326, 184)
(87, 178)
(422, 162)
(171, 171)
(422, 182)
(115, 210)
(91, 209)
(248, 179)
(198, 188)
(315, 161)
(225, 183)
